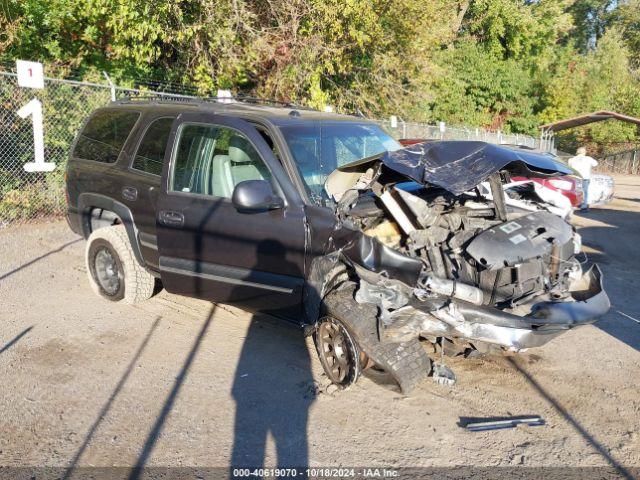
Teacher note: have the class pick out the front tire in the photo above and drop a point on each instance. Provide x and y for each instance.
(114, 271)
(338, 352)
(405, 362)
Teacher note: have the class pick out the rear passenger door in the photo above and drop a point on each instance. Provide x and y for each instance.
(208, 248)
(141, 185)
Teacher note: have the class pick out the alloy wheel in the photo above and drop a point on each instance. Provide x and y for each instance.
(107, 272)
(337, 351)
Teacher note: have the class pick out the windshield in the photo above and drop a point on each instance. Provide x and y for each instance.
(319, 148)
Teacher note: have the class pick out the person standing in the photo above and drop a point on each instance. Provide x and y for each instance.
(583, 164)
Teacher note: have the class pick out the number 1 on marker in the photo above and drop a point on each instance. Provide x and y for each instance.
(34, 108)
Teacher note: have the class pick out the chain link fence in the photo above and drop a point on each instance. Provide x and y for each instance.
(23, 195)
(414, 130)
(624, 162)
(27, 196)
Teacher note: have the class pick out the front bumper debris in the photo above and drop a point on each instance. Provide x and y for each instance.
(478, 323)
(589, 303)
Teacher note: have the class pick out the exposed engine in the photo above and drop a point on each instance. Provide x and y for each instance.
(437, 238)
(526, 253)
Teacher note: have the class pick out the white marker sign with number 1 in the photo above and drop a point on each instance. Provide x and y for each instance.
(30, 74)
(34, 108)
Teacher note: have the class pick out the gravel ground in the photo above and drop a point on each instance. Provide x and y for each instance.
(179, 382)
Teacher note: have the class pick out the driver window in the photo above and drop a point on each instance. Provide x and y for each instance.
(213, 159)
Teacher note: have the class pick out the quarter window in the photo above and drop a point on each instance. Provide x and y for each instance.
(212, 160)
(104, 135)
(150, 155)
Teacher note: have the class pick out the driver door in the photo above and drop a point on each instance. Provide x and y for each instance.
(210, 249)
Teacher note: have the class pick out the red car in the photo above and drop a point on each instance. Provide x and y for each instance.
(412, 141)
(570, 187)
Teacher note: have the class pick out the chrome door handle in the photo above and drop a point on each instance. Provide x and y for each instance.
(169, 217)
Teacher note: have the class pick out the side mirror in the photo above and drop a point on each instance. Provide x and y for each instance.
(255, 196)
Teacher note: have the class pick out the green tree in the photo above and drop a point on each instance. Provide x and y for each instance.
(506, 64)
(600, 80)
(477, 88)
(627, 18)
(591, 19)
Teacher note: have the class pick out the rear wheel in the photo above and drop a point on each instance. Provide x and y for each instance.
(107, 270)
(114, 271)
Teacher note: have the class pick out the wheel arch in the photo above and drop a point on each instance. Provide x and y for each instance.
(88, 202)
(326, 273)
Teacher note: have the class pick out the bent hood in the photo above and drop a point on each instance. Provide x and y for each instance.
(456, 166)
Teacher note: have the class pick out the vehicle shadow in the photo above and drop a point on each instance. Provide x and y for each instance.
(273, 389)
(616, 241)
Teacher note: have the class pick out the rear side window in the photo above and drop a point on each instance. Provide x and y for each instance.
(150, 155)
(103, 137)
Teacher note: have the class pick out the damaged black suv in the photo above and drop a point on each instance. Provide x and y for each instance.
(382, 253)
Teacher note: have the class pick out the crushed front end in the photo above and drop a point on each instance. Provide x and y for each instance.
(432, 238)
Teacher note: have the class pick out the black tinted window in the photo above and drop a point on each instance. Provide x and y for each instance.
(150, 155)
(212, 160)
(104, 135)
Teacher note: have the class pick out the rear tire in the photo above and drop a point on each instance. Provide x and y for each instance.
(114, 271)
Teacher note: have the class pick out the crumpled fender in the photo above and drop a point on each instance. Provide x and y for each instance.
(349, 247)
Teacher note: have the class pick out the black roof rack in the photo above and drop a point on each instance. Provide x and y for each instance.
(158, 98)
(269, 101)
(174, 98)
